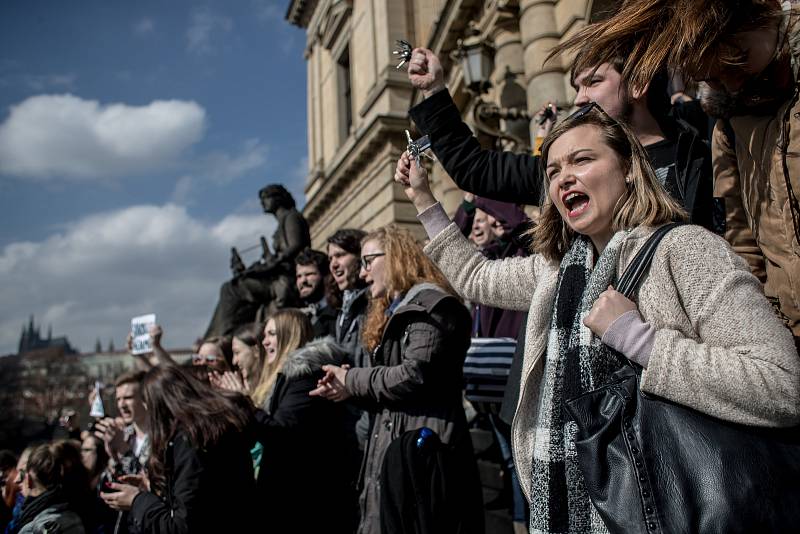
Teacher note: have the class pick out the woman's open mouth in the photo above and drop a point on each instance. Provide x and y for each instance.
(576, 203)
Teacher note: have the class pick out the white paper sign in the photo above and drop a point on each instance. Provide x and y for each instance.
(139, 330)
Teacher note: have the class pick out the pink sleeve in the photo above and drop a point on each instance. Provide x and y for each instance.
(632, 336)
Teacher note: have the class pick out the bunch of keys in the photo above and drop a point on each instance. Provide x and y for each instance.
(403, 50)
(417, 148)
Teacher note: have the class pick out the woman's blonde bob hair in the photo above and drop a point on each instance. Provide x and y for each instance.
(644, 203)
(293, 330)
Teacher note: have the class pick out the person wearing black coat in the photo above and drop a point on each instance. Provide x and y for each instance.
(201, 485)
(200, 470)
(306, 456)
(673, 145)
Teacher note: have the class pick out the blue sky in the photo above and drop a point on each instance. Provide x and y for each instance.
(134, 137)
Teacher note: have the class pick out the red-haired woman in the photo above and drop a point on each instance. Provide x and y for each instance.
(417, 331)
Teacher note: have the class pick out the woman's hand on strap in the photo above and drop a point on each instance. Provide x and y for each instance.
(414, 180)
(608, 307)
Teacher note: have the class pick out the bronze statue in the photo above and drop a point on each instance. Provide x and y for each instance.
(269, 282)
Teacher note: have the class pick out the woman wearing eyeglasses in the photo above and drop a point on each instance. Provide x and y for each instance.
(701, 327)
(417, 331)
(216, 353)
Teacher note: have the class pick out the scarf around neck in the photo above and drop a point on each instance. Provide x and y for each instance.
(36, 505)
(576, 362)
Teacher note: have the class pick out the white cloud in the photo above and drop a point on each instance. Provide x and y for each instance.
(223, 168)
(301, 170)
(90, 279)
(39, 82)
(63, 135)
(44, 82)
(183, 190)
(144, 27)
(268, 10)
(204, 29)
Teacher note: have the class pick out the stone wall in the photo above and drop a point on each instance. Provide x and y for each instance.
(349, 183)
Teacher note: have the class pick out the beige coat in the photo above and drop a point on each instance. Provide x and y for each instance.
(755, 172)
(757, 159)
(719, 348)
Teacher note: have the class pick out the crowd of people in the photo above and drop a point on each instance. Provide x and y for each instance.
(342, 407)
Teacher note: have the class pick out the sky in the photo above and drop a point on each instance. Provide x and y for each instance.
(134, 137)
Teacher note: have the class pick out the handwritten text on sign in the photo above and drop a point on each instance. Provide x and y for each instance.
(140, 327)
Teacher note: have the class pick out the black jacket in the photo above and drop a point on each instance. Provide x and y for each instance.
(207, 490)
(416, 381)
(424, 488)
(517, 178)
(303, 477)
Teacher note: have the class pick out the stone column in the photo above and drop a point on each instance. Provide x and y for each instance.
(509, 74)
(539, 33)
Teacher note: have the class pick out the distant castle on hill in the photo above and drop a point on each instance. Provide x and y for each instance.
(31, 339)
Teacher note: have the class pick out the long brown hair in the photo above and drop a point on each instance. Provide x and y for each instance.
(176, 401)
(293, 330)
(252, 335)
(681, 34)
(644, 203)
(406, 266)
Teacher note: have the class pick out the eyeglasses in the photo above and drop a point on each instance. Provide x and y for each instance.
(199, 358)
(367, 259)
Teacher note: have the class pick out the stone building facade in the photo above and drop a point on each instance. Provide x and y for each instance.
(358, 101)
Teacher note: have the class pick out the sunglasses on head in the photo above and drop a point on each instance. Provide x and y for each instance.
(584, 109)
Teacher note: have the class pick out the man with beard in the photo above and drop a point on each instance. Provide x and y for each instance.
(747, 54)
(681, 159)
(313, 280)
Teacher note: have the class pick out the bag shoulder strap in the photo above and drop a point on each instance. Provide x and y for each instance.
(638, 267)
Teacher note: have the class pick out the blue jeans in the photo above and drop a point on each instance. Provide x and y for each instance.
(502, 433)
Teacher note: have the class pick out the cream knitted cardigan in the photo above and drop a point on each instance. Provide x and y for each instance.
(719, 347)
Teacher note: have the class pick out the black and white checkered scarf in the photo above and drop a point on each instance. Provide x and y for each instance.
(576, 362)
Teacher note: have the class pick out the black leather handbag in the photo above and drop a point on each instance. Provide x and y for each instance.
(653, 466)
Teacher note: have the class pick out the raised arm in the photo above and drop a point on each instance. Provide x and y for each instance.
(507, 284)
(504, 176)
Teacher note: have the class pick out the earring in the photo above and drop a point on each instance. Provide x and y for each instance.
(628, 180)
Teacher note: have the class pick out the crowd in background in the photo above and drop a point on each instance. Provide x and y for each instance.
(351, 411)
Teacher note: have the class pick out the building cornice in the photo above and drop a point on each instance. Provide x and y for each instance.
(299, 12)
(326, 187)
